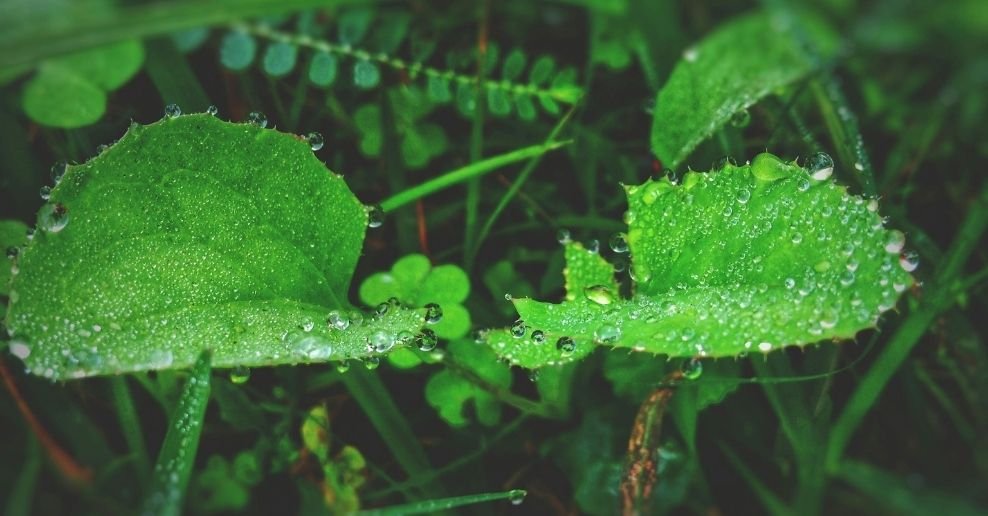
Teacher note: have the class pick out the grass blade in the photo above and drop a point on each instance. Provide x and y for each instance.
(442, 504)
(937, 299)
(130, 425)
(461, 174)
(178, 453)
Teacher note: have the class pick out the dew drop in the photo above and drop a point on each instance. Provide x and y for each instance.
(212, 110)
(382, 341)
(371, 363)
(433, 313)
(538, 336)
(239, 375)
(618, 243)
(516, 496)
(743, 195)
(53, 217)
(315, 140)
(337, 320)
(563, 236)
(820, 166)
(343, 366)
(566, 345)
(356, 318)
(599, 294)
(691, 54)
(426, 340)
(404, 338)
(173, 111)
(375, 216)
(593, 246)
(765, 347)
(797, 237)
(257, 118)
(607, 334)
(20, 350)
(741, 118)
(58, 171)
(692, 368)
(45, 193)
(382, 308)
(895, 241)
(12, 252)
(518, 329)
(909, 261)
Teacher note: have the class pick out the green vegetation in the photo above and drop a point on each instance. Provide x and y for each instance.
(555, 257)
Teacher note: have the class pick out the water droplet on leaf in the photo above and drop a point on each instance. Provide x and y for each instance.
(375, 216)
(258, 118)
(315, 140)
(53, 217)
(692, 368)
(820, 166)
(538, 336)
(566, 345)
(426, 340)
(433, 313)
(599, 294)
(172, 111)
(212, 110)
(239, 375)
(618, 243)
(518, 329)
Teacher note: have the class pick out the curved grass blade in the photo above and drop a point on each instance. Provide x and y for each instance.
(516, 496)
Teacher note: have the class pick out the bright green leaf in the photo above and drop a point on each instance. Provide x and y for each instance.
(738, 260)
(189, 234)
(237, 50)
(732, 68)
(70, 91)
(448, 392)
(322, 69)
(366, 74)
(541, 70)
(279, 58)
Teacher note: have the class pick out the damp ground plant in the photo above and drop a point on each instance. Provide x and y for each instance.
(555, 257)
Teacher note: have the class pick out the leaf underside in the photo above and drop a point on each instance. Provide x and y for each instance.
(749, 258)
(190, 234)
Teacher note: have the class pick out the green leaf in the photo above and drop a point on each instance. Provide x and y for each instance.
(448, 392)
(414, 282)
(749, 258)
(366, 74)
(732, 68)
(237, 50)
(498, 102)
(70, 91)
(189, 40)
(189, 234)
(322, 69)
(514, 65)
(354, 24)
(178, 452)
(13, 236)
(541, 70)
(279, 58)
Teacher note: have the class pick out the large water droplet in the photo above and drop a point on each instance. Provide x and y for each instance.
(566, 345)
(692, 368)
(895, 241)
(375, 216)
(433, 313)
(563, 236)
(909, 261)
(53, 217)
(607, 334)
(768, 167)
(58, 171)
(599, 294)
(371, 363)
(239, 375)
(382, 341)
(426, 340)
(382, 309)
(315, 140)
(820, 166)
(743, 196)
(538, 336)
(257, 118)
(212, 110)
(516, 496)
(518, 329)
(172, 111)
(337, 320)
(618, 243)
